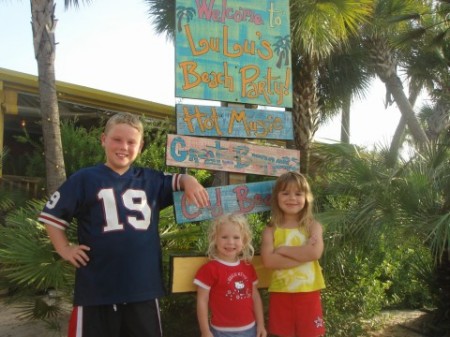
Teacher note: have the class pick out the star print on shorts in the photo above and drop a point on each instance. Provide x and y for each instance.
(318, 322)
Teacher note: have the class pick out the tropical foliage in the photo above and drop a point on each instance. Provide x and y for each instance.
(386, 216)
(372, 260)
(407, 206)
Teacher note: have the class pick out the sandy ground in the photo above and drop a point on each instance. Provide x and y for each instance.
(389, 324)
(12, 326)
(398, 324)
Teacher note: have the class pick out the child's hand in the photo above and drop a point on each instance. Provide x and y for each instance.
(195, 192)
(207, 334)
(261, 332)
(312, 240)
(76, 255)
(280, 250)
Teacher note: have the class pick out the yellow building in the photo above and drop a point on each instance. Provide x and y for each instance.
(19, 108)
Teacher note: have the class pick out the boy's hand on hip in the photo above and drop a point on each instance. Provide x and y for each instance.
(76, 255)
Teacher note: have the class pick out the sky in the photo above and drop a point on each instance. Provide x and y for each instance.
(112, 47)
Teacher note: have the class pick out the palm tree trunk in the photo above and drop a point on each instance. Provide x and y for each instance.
(399, 135)
(43, 24)
(394, 86)
(345, 122)
(385, 65)
(305, 111)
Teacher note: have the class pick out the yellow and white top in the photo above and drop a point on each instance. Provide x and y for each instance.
(303, 278)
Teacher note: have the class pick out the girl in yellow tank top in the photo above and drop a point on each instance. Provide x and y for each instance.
(292, 245)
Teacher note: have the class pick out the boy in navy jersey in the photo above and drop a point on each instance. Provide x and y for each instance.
(118, 255)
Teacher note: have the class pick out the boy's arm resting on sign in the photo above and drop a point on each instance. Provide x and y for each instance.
(202, 311)
(311, 251)
(75, 254)
(195, 192)
(270, 258)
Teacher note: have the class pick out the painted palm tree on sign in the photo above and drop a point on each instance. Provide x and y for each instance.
(282, 47)
(184, 13)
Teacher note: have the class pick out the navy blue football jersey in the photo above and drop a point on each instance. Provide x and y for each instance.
(117, 217)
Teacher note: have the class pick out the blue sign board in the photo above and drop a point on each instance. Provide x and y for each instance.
(233, 122)
(234, 51)
(240, 198)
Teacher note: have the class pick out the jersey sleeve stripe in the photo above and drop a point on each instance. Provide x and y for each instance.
(201, 284)
(176, 182)
(53, 221)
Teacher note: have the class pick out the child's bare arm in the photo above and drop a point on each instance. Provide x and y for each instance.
(310, 251)
(259, 313)
(75, 254)
(202, 312)
(195, 192)
(272, 259)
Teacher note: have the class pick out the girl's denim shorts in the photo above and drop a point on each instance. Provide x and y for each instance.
(245, 333)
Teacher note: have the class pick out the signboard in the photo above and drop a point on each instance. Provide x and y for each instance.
(240, 198)
(219, 155)
(183, 269)
(233, 50)
(235, 122)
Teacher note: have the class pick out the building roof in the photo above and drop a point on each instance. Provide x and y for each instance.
(19, 102)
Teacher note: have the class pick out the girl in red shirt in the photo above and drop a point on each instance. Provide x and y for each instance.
(226, 285)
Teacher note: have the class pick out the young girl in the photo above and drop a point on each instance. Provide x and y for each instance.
(292, 243)
(226, 285)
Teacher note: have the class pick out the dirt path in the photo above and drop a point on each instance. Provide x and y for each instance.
(389, 324)
(12, 326)
(398, 324)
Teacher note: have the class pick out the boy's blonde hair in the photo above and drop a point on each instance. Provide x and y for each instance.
(125, 118)
(246, 234)
(305, 216)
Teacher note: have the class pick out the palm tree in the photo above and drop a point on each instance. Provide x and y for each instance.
(342, 77)
(162, 15)
(43, 23)
(426, 57)
(378, 37)
(317, 29)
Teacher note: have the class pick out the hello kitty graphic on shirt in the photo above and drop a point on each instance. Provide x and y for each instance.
(239, 287)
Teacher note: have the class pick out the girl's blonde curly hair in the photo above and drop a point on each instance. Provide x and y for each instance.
(246, 235)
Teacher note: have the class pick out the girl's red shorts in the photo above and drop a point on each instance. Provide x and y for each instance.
(296, 314)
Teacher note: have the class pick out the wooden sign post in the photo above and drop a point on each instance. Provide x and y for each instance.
(237, 53)
(218, 155)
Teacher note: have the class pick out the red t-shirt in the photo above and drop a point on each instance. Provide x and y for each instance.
(230, 293)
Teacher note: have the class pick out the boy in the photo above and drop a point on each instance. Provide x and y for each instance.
(118, 258)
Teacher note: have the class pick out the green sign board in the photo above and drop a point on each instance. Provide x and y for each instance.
(234, 51)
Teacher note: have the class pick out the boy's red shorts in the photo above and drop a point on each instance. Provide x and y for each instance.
(296, 314)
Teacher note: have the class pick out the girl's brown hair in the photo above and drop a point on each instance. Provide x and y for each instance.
(239, 220)
(297, 180)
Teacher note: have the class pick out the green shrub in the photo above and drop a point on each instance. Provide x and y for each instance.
(354, 293)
